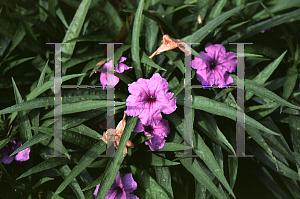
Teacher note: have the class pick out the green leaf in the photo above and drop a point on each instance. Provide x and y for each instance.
(74, 29)
(99, 164)
(263, 174)
(151, 31)
(163, 178)
(65, 171)
(82, 106)
(254, 133)
(45, 165)
(41, 181)
(148, 183)
(194, 168)
(39, 90)
(209, 126)
(70, 136)
(18, 37)
(254, 29)
(262, 156)
(265, 93)
(278, 143)
(289, 82)
(84, 130)
(42, 76)
(217, 9)
(276, 8)
(97, 38)
(201, 149)
(135, 50)
(87, 159)
(32, 141)
(148, 61)
(200, 34)
(15, 63)
(24, 123)
(177, 61)
(28, 105)
(295, 137)
(155, 160)
(233, 168)
(211, 106)
(171, 146)
(161, 21)
(262, 77)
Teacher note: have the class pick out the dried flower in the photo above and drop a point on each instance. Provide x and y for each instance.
(117, 135)
(170, 44)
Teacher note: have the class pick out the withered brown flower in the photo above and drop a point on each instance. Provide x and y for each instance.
(117, 135)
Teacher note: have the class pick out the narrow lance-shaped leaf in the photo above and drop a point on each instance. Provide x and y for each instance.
(135, 50)
(74, 29)
(295, 136)
(262, 77)
(86, 160)
(25, 126)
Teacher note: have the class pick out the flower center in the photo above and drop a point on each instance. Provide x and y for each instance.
(213, 64)
(148, 129)
(151, 99)
(119, 190)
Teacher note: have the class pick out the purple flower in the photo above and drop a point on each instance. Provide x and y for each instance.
(121, 188)
(212, 69)
(159, 132)
(266, 30)
(120, 68)
(9, 148)
(150, 97)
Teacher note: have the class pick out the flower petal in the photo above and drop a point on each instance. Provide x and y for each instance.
(156, 142)
(150, 116)
(139, 126)
(23, 155)
(228, 61)
(215, 51)
(222, 79)
(5, 152)
(128, 182)
(96, 190)
(157, 84)
(162, 129)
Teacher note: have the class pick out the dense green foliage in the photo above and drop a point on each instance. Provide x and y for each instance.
(271, 98)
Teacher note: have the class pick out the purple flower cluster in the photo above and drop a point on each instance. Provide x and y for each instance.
(9, 148)
(121, 188)
(150, 97)
(213, 68)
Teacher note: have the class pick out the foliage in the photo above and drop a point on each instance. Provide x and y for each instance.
(271, 98)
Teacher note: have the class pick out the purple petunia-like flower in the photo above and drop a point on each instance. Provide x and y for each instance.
(121, 188)
(159, 132)
(9, 148)
(213, 68)
(150, 97)
(120, 68)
